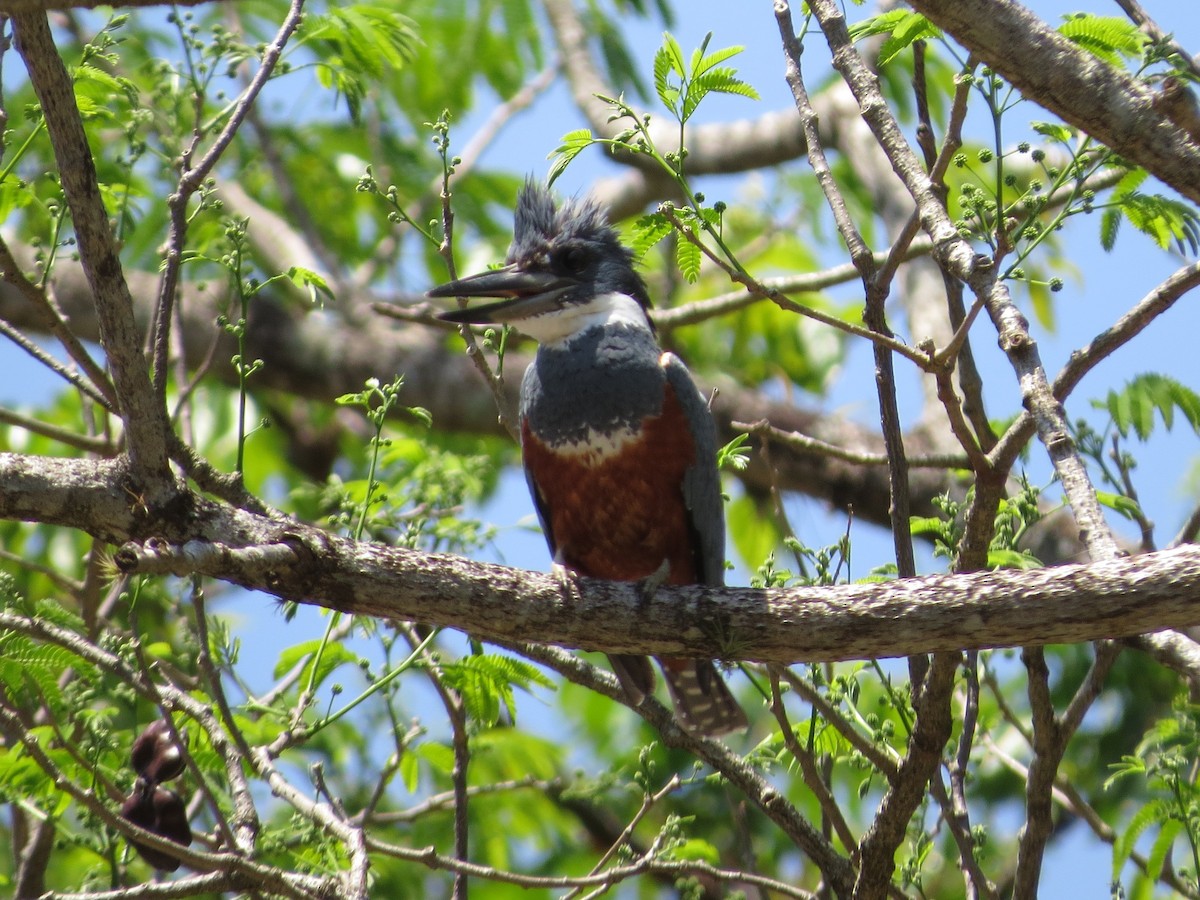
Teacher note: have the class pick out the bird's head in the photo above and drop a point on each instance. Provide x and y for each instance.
(566, 271)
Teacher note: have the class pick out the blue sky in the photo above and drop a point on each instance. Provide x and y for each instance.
(1109, 284)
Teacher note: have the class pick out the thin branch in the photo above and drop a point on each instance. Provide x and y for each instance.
(71, 438)
(808, 766)
(805, 282)
(876, 293)
(63, 583)
(1162, 298)
(880, 756)
(979, 273)
(145, 419)
(803, 442)
(100, 388)
(190, 181)
(1050, 737)
(457, 714)
(860, 254)
(649, 801)
(74, 378)
(1108, 103)
(784, 302)
(930, 733)
(835, 868)
(430, 858)
(954, 805)
(1190, 530)
(1067, 796)
(233, 865)
(245, 820)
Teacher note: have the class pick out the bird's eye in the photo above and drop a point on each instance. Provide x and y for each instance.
(574, 259)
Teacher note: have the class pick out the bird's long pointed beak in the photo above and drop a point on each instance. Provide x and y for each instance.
(528, 294)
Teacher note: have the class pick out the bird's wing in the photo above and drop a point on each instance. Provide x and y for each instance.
(539, 502)
(701, 483)
(543, 513)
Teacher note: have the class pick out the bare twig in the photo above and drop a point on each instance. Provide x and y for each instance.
(808, 766)
(456, 712)
(649, 801)
(1120, 333)
(955, 808)
(101, 446)
(191, 180)
(931, 730)
(1190, 530)
(100, 387)
(862, 458)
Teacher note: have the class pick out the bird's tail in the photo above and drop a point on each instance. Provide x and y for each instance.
(703, 702)
(635, 674)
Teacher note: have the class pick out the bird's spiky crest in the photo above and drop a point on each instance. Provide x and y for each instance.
(543, 225)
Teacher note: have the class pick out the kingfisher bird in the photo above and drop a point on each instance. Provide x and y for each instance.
(618, 444)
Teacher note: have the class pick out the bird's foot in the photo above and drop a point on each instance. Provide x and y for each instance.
(647, 587)
(567, 578)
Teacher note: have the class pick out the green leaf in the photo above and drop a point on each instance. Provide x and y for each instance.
(911, 28)
(333, 656)
(312, 282)
(1133, 406)
(1119, 503)
(1161, 847)
(410, 771)
(667, 60)
(1054, 131)
(735, 455)
(695, 849)
(754, 535)
(885, 23)
(647, 232)
(357, 45)
(703, 64)
(570, 146)
(687, 257)
(925, 525)
(1042, 299)
(13, 196)
(439, 756)
(485, 681)
(1110, 224)
(718, 81)
(1109, 38)
(1001, 558)
(1166, 220)
(674, 54)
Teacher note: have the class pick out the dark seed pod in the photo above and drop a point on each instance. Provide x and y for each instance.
(154, 755)
(162, 811)
(170, 817)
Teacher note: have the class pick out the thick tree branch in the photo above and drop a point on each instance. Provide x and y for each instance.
(295, 561)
